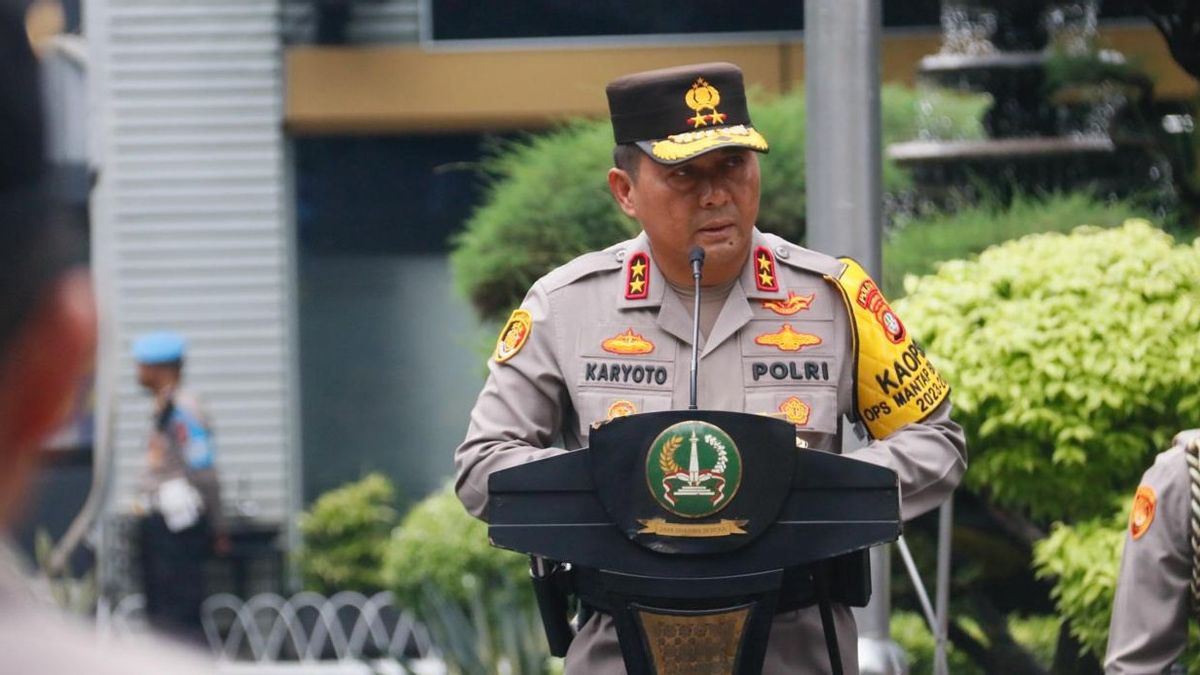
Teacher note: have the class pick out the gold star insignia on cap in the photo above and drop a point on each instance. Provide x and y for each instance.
(704, 96)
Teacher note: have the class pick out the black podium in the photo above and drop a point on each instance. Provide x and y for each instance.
(692, 529)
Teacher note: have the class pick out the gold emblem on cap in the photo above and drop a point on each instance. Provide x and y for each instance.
(703, 96)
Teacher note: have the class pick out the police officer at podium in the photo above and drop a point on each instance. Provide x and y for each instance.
(784, 331)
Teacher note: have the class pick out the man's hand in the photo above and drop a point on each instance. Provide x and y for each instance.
(157, 450)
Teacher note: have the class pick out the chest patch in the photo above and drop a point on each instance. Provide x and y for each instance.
(628, 342)
(787, 339)
(793, 304)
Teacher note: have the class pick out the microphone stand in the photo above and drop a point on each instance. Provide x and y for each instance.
(696, 258)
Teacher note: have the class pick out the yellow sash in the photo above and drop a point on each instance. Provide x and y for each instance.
(895, 383)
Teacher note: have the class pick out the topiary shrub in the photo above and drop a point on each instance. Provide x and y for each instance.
(1072, 360)
(476, 600)
(344, 536)
(438, 544)
(548, 199)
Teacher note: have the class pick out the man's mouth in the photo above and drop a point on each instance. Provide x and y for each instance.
(716, 229)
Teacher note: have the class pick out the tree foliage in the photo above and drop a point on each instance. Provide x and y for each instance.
(548, 200)
(344, 536)
(1072, 360)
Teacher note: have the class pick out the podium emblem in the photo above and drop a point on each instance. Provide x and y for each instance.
(693, 469)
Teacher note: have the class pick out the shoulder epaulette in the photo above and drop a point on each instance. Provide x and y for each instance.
(799, 257)
(583, 266)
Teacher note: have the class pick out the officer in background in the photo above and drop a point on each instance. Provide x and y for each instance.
(1159, 584)
(182, 521)
(47, 344)
(785, 331)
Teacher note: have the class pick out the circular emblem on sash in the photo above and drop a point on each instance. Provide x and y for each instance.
(693, 469)
(892, 326)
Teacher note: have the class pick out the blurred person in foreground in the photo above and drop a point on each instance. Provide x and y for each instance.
(784, 331)
(180, 521)
(1158, 588)
(47, 344)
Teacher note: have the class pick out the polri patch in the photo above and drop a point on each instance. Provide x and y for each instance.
(765, 277)
(637, 276)
(1142, 514)
(514, 335)
(628, 342)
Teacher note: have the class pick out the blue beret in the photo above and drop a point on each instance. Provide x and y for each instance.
(160, 347)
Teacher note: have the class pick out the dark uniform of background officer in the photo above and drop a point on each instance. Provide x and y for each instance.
(1155, 592)
(609, 333)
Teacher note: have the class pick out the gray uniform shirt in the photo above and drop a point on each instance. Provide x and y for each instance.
(568, 374)
(1148, 629)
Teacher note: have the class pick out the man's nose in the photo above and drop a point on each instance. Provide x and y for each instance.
(713, 192)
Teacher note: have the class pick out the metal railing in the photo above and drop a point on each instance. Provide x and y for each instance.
(347, 632)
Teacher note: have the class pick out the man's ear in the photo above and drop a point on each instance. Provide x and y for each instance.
(46, 361)
(621, 186)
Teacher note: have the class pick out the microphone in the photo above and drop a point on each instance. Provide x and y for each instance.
(696, 258)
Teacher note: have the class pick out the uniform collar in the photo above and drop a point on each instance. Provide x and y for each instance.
(630, 295)
(760, 278)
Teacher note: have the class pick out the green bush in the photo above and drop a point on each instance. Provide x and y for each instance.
(915, 247)
(1037, 634)
(439, 545)
(548, 200)
(1072, 360)
(475, 599)
(910, 631)
(1083, 561)
(345, 534)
